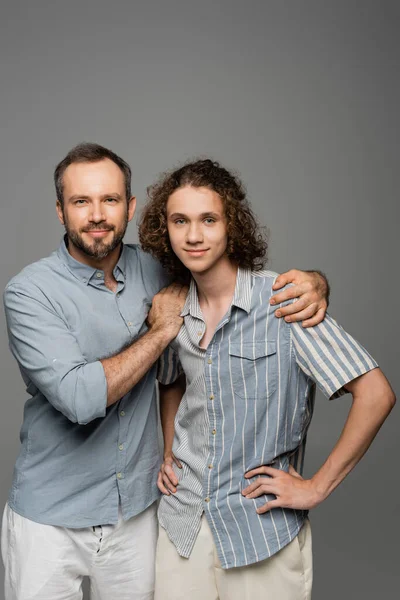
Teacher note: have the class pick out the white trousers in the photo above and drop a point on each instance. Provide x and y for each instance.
(287, 575)
(43, 562)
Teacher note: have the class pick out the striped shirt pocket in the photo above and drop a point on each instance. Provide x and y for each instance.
(253, 368)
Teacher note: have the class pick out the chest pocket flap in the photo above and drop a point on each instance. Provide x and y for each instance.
(252, 350)
(253, 368)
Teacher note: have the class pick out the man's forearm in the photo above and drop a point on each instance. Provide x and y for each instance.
(124, 370)
(127, 368)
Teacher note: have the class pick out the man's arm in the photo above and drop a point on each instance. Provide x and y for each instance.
(170, 398)
(51, 360)
(127, 368)
(312, 290)
(373, 399)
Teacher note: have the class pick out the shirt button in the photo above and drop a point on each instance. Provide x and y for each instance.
(119, 475)
(207, 499)
(214, 431)
(211, 396)
(98, 274)
(129, 324)
(121, 446)
(122, 413)
(209, 361)
(199, 333)
(210, 466)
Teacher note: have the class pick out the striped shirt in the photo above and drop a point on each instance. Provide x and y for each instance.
(248, 402)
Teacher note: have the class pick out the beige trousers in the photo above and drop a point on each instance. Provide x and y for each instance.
(287, 575)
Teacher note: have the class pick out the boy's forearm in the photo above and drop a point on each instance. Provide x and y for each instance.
(373, 399)
(372, 402)
(170, 398)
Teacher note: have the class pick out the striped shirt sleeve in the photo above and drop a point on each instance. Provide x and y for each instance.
(169, 367)
(329, 356)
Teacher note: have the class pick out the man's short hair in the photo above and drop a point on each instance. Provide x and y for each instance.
(89, 152)
(247, 244)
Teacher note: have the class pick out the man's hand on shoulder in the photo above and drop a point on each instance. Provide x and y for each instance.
(311, 288)
(166, 308)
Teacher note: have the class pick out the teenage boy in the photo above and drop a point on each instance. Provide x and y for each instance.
(234, 511)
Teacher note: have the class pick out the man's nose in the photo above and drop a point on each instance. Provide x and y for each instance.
(96, 214)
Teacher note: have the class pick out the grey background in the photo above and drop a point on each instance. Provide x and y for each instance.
(302, 98)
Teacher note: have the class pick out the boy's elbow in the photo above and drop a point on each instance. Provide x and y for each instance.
(387, 398)
(391, 399)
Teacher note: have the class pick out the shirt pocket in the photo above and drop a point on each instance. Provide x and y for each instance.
(253, 368)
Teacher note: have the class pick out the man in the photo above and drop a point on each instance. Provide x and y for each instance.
(234, 514)
(83, 496)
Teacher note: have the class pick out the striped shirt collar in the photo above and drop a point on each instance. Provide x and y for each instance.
(241, 295)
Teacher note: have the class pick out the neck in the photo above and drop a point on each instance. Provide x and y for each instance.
(217, 285)
(105, 264)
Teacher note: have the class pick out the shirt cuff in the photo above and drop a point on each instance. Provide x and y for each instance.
(92, 401)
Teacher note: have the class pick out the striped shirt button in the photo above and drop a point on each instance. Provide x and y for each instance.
(209, 361)
(210, 466)
(214, 431)
(199, 333)
(207, 499)
(211, 396)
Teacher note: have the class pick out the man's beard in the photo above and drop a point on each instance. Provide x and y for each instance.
(98, 249)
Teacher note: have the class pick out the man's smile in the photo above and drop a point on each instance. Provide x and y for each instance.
(98, 233)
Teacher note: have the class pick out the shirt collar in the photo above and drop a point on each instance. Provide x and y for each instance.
(86, 272)
(241, 295)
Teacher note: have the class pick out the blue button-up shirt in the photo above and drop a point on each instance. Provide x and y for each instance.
(79, 459)
(248, 402)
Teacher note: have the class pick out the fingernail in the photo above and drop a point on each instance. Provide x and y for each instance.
(272, 301)
(278, 313)
(288, 319)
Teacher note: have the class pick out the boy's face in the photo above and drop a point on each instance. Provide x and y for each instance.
(197, 228)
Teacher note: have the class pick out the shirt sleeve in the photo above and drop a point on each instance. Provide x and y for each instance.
(329, 356)
(169, 367)
(49, 356)
(154, 275)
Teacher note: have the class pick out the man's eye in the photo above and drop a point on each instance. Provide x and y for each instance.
(209, 220)
(80, 202)
(110, 200)
(179, 221)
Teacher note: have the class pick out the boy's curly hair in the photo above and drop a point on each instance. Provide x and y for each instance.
(247, 244)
